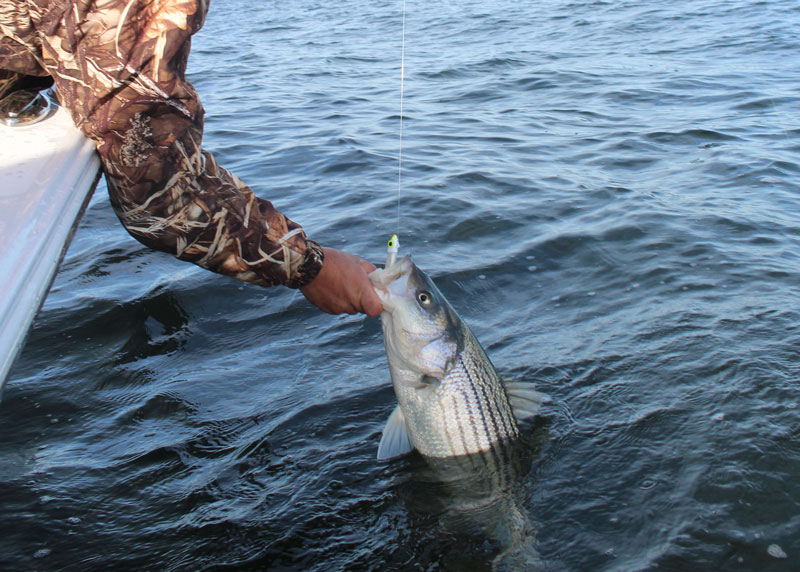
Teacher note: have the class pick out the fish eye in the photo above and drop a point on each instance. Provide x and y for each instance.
(424, 298)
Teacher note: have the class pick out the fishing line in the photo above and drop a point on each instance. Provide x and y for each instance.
(402, 94)
(394, 243)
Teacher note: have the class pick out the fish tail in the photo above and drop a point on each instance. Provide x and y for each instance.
(523, 557)
(519, 541)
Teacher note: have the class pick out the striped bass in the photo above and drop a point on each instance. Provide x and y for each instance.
(451, 401)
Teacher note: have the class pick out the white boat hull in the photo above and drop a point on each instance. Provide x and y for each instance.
(48, 172)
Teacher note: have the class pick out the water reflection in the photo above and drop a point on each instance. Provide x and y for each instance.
(475, 506)
(158, 325)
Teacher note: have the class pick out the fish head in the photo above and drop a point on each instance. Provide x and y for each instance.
(422, 332)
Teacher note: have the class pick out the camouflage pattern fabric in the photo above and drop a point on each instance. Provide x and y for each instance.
(119, 68)
(8, 81)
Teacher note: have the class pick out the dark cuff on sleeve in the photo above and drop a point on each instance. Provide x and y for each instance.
(314, 258)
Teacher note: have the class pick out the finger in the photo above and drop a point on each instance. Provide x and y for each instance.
(367, 266)
(370, 302)
(373, 308)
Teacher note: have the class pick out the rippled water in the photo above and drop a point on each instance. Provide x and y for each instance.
(606, 191)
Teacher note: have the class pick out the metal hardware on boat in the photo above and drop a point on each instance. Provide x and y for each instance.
(27, 106)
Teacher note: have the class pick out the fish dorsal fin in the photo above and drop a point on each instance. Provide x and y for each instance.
(395, 440)
(524, 399)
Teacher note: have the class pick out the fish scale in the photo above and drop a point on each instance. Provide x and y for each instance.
(473, 410)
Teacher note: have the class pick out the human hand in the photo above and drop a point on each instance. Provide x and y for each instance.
(342, 286)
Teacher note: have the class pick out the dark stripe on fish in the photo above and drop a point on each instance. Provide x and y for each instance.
(468, 405)
(478, 379)
(471, 383)
(478, 385)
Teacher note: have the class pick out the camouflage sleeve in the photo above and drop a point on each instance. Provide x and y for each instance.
(119, 68)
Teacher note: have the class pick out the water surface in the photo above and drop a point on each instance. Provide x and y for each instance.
(606, 191)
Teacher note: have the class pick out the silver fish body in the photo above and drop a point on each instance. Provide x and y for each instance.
(451, 401)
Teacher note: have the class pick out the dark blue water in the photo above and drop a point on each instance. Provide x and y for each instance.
(606, 191)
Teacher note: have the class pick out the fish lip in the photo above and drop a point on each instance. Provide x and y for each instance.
(382, 277)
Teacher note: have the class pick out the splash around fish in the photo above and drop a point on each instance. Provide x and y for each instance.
(451, 400)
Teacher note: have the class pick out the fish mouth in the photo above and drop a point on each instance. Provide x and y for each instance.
(391, 282)
(382, 277)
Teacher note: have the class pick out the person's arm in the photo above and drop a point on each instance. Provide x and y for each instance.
(120, 71)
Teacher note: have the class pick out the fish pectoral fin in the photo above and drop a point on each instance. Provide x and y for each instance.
(524, 400)
(395, 440)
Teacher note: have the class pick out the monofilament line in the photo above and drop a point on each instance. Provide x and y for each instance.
(402, 90)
